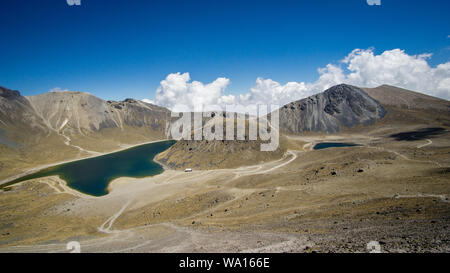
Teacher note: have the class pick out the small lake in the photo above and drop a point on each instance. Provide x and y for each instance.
(325, 145)
(93, 175)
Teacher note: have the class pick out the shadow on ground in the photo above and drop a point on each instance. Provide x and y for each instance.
(419, 134)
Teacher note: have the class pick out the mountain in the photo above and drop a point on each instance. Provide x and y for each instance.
(340, 106)
(57, 126)
(16, 112)
(409, 108)
(219, 154)
(83, 113)
(393, 96)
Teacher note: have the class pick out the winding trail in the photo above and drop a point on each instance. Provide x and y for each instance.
(294, 157)
(106, 226)
(181, 238)
(442, 197)
(429, 142)
(405, 157)
(256, 169)
(68, 140)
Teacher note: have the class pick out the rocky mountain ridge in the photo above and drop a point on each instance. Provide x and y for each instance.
(339, 106)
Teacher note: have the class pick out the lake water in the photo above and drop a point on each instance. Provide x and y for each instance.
(92, 176)
(325, 145)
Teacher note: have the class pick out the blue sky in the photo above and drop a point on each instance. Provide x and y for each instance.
(117, 49)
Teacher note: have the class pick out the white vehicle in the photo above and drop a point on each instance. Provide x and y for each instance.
(188, 170)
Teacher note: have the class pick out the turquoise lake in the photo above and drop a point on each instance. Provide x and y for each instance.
(325, 145)
(93, 175)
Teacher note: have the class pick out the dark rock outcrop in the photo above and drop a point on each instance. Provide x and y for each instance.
(341, 105)
(8, 94)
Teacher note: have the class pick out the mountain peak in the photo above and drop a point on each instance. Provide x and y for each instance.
(340, 105)
(8, 93)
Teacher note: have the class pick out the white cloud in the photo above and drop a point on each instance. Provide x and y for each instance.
(58, 89)
(361, 68)
(397, 68)
(267, 90)
(180, 94)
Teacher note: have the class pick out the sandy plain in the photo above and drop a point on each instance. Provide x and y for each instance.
(333, 200)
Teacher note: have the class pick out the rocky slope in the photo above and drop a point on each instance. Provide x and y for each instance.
(17, 116)
(409, 108)
(58, 126)
(393, 96)
(219, 154)
(83, 113)
(340, 106)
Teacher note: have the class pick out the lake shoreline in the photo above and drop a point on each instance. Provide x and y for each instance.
(326, 145)
(40, 168)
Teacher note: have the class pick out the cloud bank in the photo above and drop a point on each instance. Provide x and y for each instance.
(178, 93)
(58, 89)
(361, 68)
(148, 101)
